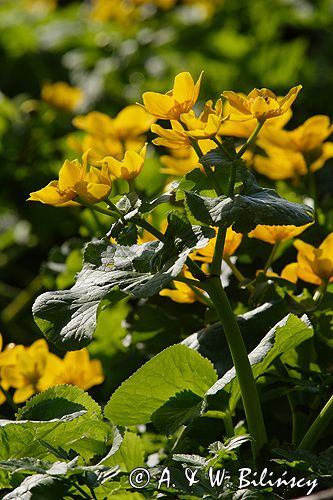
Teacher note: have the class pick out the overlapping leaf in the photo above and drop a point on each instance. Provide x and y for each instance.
(68, 317)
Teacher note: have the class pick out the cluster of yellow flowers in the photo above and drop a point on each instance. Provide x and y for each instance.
(125, 11)
(117, 148)
(32, 369)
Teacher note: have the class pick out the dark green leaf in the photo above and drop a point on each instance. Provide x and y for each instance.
(286, 335)
(68, 317)
(245, 212)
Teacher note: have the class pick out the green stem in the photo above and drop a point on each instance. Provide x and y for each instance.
(218, 252)
(251, 139)
(229, 428)
(320, 292)
(94, 207)
(271, 256)
(240, 276)
(318, 426)
(22, 299)
(97, 222)
(293, 401)
(131, 185)
(241, 362)
(312, 186)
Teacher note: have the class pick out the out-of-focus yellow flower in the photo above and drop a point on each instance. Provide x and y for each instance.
(62, 95)
(282, 163)
(75, 179)
(232, 242)
(78, 369)
(262, 104)
(7, 358)
(33, 370)
(306, 138)
(121, 11)
(129, 167)
(40, 5)
(183, 160)
(182, 293)
(179, 100)
(113, 136)
(315, 265)
(275, 234)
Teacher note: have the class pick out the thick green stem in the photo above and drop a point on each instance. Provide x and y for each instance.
(317, 428)
(241, 362)
(251, 139)
(218, 252)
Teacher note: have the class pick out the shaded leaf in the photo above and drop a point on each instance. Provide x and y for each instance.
(286, 335)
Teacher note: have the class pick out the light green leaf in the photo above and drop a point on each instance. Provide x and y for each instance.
(83, 431)
(39, 487)
(68, 317)
(285, 335)
(172, 371)
(130, 454)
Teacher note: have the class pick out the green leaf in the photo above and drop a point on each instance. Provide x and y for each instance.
(245, 212)
(178, 410)
(172, 371)
(39, 487)
(68, 317)
(286, 335)
(130, 454)
(83, 431)
(211, 342)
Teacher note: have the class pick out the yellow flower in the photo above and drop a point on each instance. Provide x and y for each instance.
(179, 100)
(91, 185)
(181, 161)
(262, 103)
(236, 124)
(275, 234)
(182, 294)
(304, 139)
(289, 273)
(113, 136)
(315, 265)
(232, 242)
(78, 369)
(282, 163)
(7, 358)
(61, 95)
(129, 167)
(208, 123)
(174, 138)
(33, 370)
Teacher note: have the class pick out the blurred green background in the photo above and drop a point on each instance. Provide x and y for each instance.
(114, 56)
